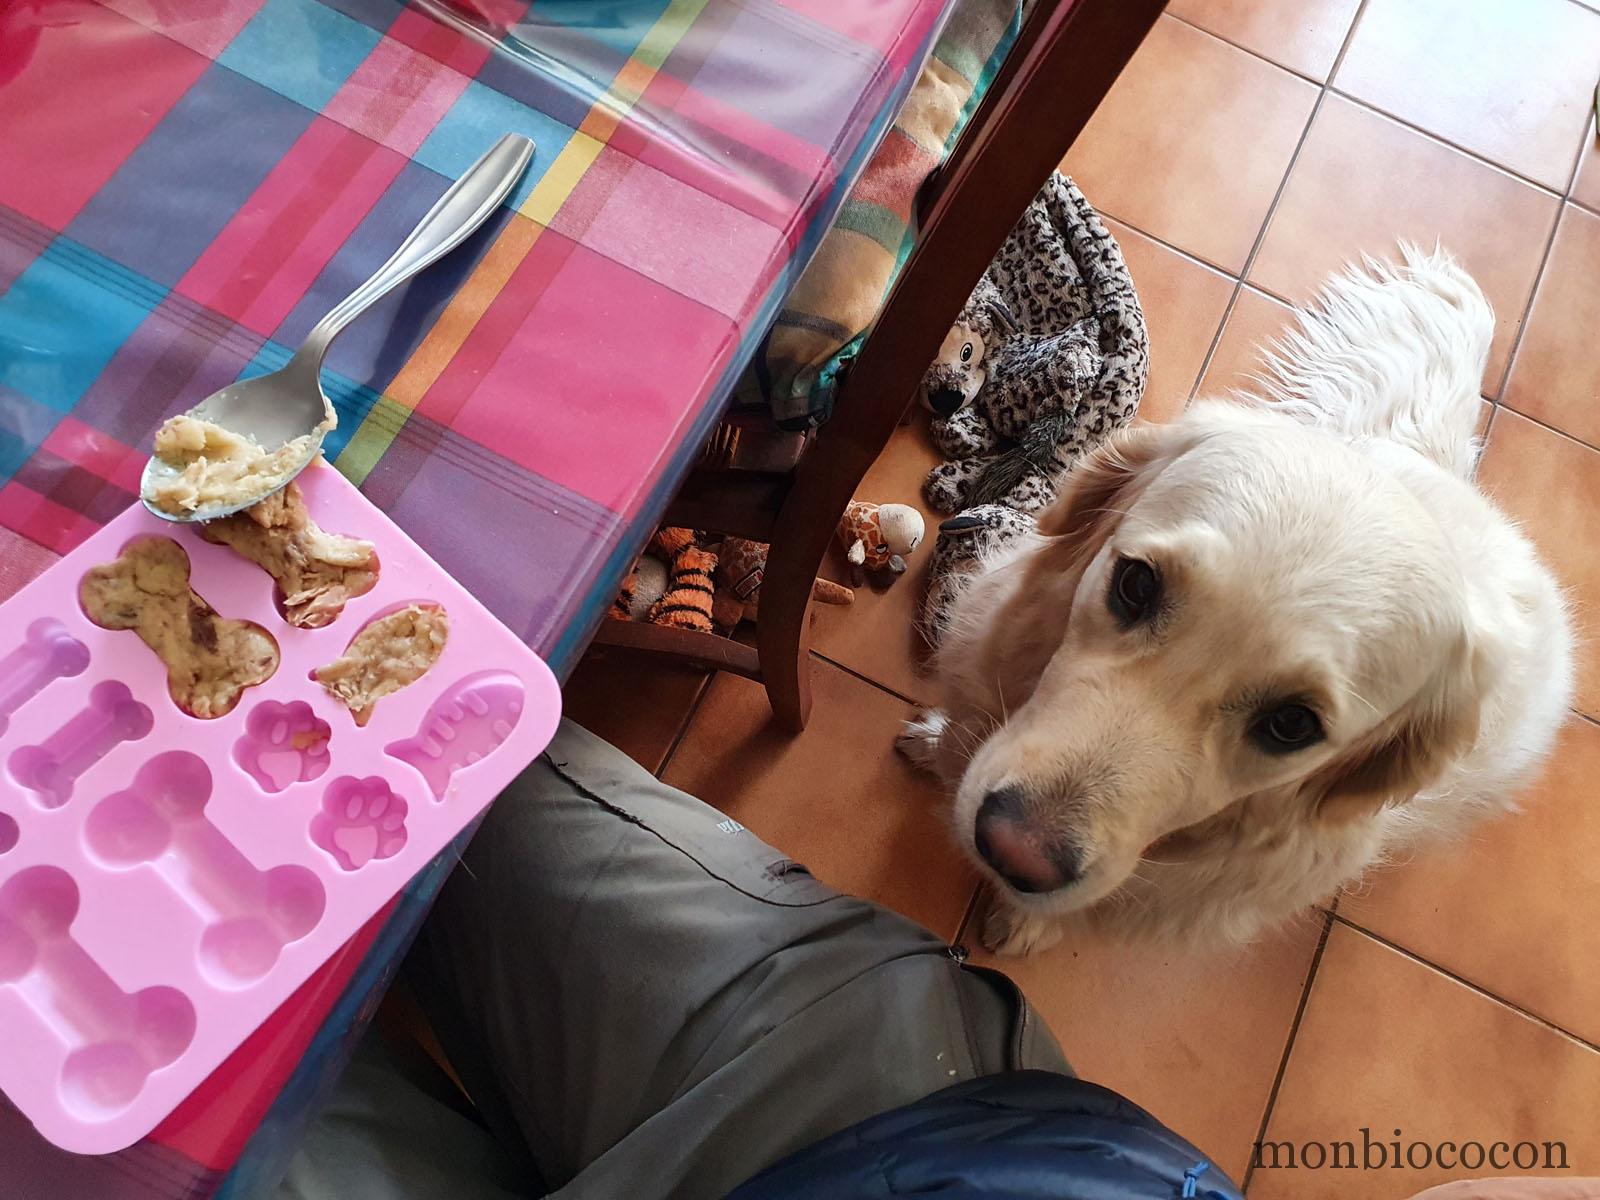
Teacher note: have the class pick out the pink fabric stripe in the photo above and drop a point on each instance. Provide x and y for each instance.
(41, 520)
(100, 453)
(207, 27)
(397, 96)
(21, 562)
(263, 261)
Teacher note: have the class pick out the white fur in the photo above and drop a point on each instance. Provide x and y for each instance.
(1326, 539)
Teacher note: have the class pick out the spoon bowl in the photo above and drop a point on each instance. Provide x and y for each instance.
(278, 410)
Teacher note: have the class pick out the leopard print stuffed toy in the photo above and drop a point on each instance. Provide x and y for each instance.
(1047, 359)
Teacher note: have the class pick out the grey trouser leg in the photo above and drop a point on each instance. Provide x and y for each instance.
(647, 1001)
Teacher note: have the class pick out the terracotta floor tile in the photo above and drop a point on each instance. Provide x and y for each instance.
(1256, 319)
(1196, 1040)
(1556, 375)
(1192, 142)
(1551, 485)
(1387, 1042)
(1586, 186)
(636, 704)
(1304, 35)
(1363, 182)
(837, 798)
(1470, 908)
(876, 636)
(1511, 80)
(1183, 302)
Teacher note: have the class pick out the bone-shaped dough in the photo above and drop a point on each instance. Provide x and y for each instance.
(210, 659)
(317, 572)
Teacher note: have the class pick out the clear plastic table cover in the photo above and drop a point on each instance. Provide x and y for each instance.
(186, 186)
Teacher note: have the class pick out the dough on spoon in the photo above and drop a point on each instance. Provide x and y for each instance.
(207, 466)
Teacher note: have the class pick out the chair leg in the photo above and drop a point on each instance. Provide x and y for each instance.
(783, 634)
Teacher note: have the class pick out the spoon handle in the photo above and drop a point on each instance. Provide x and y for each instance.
(466, 205)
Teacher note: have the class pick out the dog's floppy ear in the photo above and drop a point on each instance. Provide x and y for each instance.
(1100, 486)
(1413, 749)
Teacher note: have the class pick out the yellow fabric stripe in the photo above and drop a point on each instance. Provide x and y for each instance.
(385, 419)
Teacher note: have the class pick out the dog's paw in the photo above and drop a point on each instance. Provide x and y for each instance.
(919, 739)
(1010, 933)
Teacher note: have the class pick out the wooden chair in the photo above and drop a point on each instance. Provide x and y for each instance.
(1065, 60)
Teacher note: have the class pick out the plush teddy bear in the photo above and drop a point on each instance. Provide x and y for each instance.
(1048, 357)
(741, 567)
(879, 537)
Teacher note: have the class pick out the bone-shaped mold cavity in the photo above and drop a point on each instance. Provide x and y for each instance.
(283, 744)
(210, 659)
(362, 821)
(464, 725)
(251, 915)
(9, 832)
(48, 652)
(118, 1040)
(50, 769)
(317, 573)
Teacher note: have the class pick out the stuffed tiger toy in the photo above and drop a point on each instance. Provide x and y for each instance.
(686, 604)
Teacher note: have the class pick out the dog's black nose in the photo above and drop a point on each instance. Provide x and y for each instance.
(1028, 861)
(945, 400)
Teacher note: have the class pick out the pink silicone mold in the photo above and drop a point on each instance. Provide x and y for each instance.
(283, 744)
(49, 770)
(463, 726)
(117, 1040)
(167, 882)
(48, 652)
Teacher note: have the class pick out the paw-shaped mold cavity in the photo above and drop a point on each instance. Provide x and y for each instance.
(50, 769)
(210, 659)
(463, 726)
(47, 653)
(118, 1039)
(250, 914)
(9, 832)
(283, 744)
(362, 821)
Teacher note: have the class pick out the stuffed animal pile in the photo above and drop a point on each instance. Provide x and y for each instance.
(1048, 358)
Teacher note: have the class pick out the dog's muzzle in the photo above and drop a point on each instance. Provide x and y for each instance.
(1028, 862)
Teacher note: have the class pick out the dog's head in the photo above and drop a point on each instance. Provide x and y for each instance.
(1243, 624)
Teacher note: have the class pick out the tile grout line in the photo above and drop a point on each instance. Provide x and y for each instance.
(1545, 425)
(867, 679)
(967, 916)
(683, 727)
(1533, 295)
(1288, 1045)
(1327, 85)
(1467, 983)
(1228, 41)
(1277, 198)
(1474, 155)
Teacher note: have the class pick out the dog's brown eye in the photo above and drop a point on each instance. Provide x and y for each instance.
(1287, 727)
(1135, 590)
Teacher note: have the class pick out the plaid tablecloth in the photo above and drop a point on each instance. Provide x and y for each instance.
(186, 186)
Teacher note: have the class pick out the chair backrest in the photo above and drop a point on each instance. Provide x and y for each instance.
(1066, 58)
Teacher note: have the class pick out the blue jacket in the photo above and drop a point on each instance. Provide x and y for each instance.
(1026, 1135)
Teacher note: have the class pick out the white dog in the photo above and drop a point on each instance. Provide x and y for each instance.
(1251, 652)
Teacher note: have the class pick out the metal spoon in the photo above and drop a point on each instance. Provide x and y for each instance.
(274, 410)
